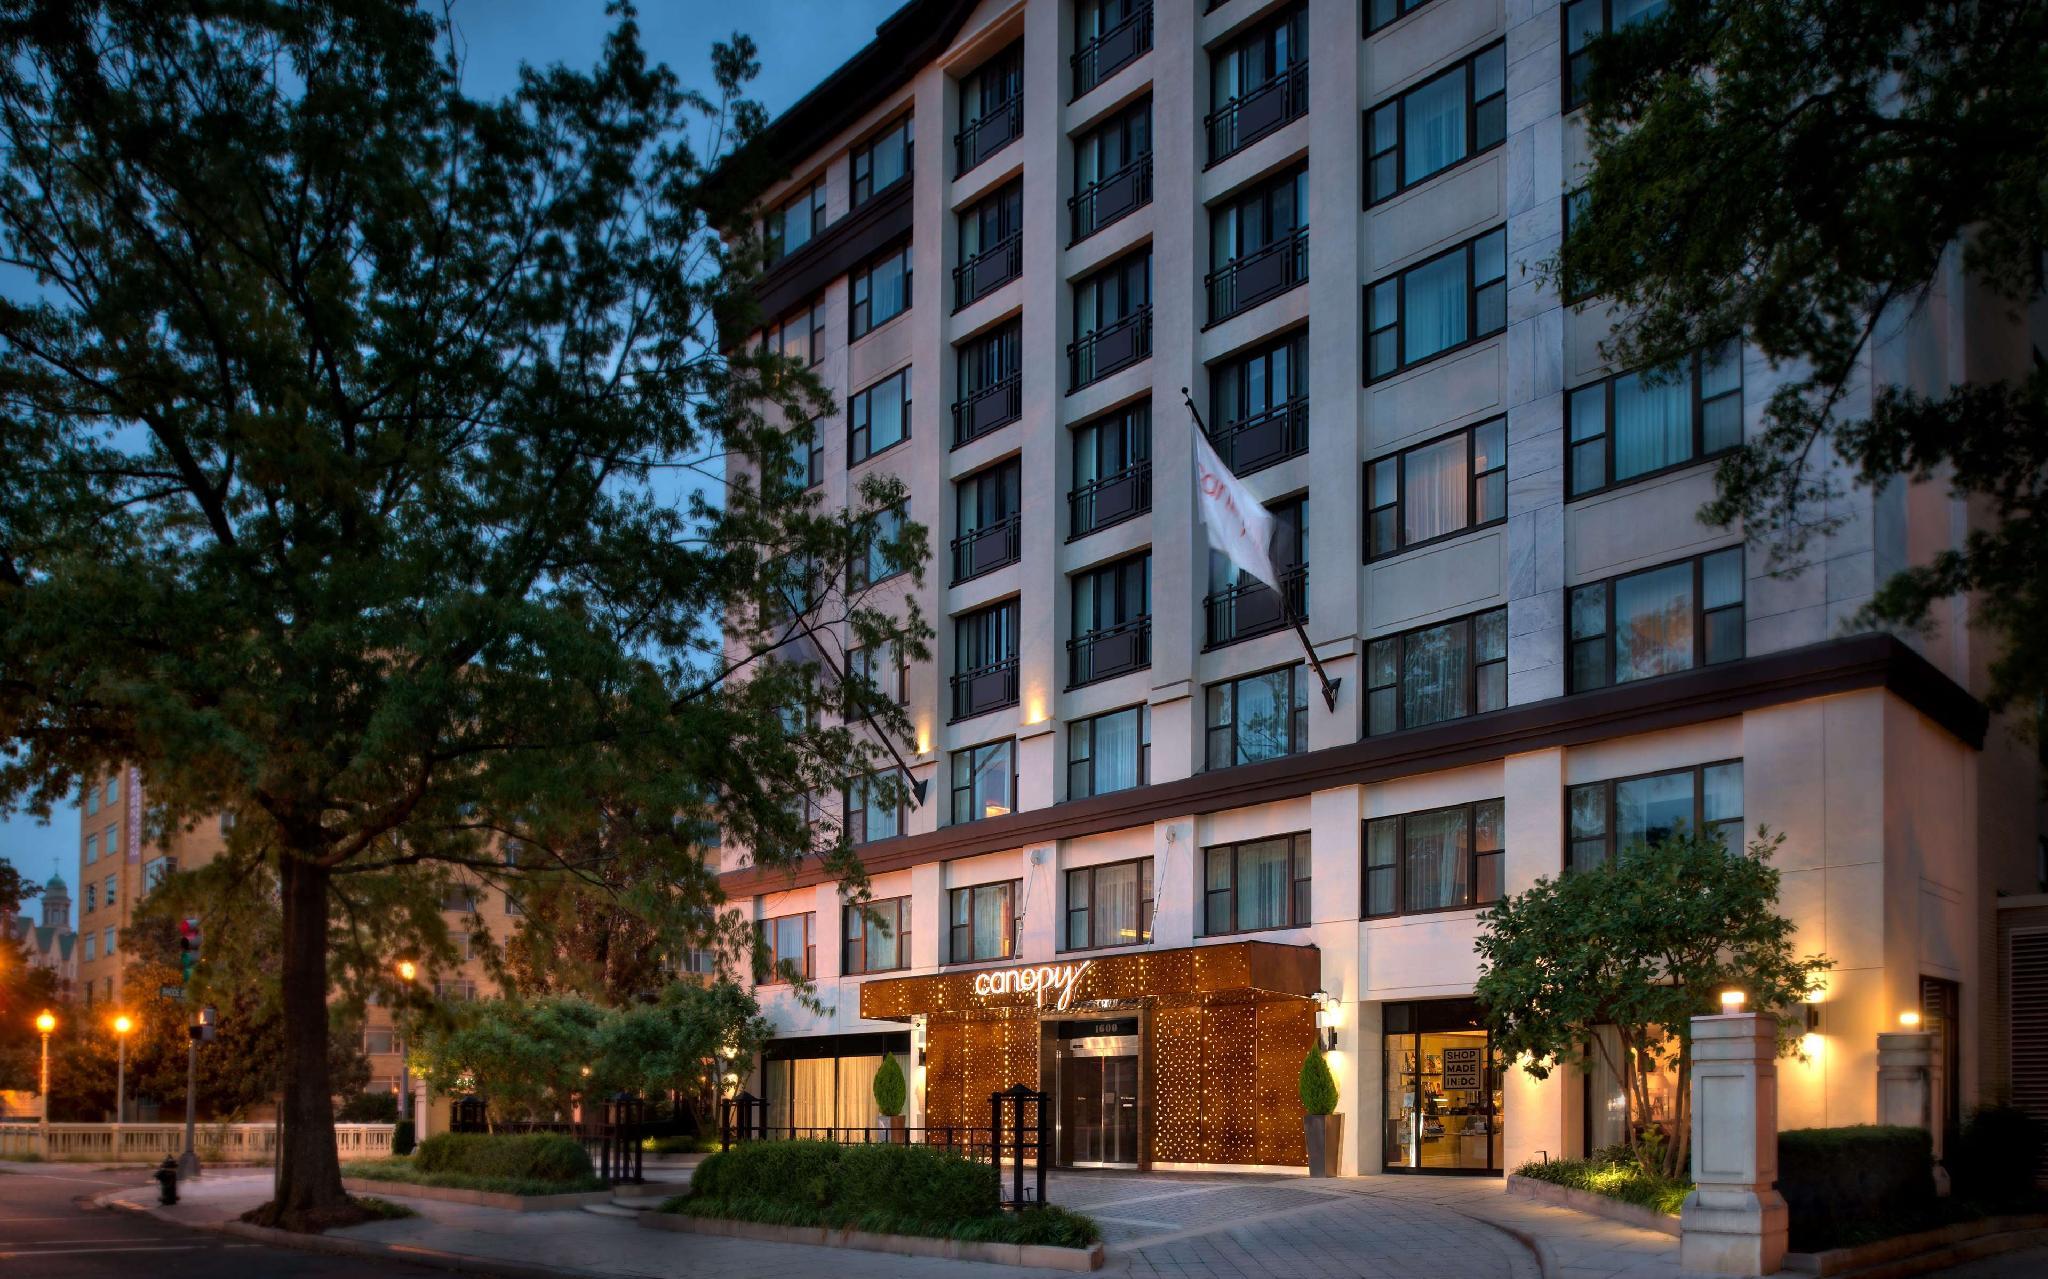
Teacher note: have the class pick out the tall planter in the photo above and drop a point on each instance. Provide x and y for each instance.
(890, 1095)
(1325, 1136)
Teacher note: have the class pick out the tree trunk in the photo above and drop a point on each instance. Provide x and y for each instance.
(309, 1192)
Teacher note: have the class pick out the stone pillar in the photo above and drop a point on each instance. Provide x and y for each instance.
(1906, 1088)
(1733, 1222)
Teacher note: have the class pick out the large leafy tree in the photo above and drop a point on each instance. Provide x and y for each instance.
(1636, 950)
(342, 430)
(1811, 174)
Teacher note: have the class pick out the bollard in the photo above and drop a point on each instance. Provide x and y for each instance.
(167, 1181)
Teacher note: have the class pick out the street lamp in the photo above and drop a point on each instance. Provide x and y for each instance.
(46, 1021)
(408, 972)
(123, 1024)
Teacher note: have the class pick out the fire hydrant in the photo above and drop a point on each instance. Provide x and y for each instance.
(166, 1176)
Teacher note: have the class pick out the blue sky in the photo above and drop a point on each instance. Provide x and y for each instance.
(800, 43)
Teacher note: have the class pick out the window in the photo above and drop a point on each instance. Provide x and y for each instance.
(227, 822)
(460, 897)
(1442, 122)
(1446, 671)
(991, 108)
(1575, 205)
(92, 849)
(1379, 13)
(882, 161)
(1108, 36)
(800, 335)
(1451, 300)
(991, 244)
(112, 841)
(1657, 621)
(878, 418)
(806, 458)
(1607, 818)
(92, 801)
(1112, 320)
(984, 781)
(1258, 244)
(1258, 404)
(91, 899)
(113, 789)
(874, 810)
(1584, 20)
(92, 945)
(1642, 423)
(881, 290)
(379, 1041)
(982, 922)
(882, 668)
(991, 382)
(1438, 489)
(877, 937)
(875, 564)
(1112, 469)
(1444, 859)
(985, 660)
(793, 223)
(1109, 752)
(455, 989)
(1262, 884)
(1257, 717)
(1112, 169)
(1238, 605)
(1112, 620)
(1258, 82)
(1109, 905)
(112, 890)
(156, 870)
(790, 947)
(987, 507)
(107, 941)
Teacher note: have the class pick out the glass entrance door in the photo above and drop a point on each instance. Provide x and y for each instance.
(1099, 1101)
(1443, 1089)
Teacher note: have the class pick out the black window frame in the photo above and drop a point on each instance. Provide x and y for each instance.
(1474, 482)
(972, 631)
(1148, 908)
(1297, 720)
(1090, 757)
(1008, 64)
(1000, 347)
(1608, 833)
(1088, 71)
(1132, 275)
(1700, 620)
(894, 682)
(1231, 377)
(1132, 424)
(1374, 24)
(1092, 579)
(1697, 363)
(860, 311)
(772, 244)
(1219, 285)
(1397, 870)
(1300, 878)
(847, 809)
(860, 437)
(1220, 126)
(1568, 76)
(1001, 212)
(769, 929)
(953, 930)
(1128, 121)
(1290, 561)
(853, 947)
(1006, 480)
(1473, 289)
(1475, 670)
(775, 337)
(955, 790)
(1477, 143)
(865, 151)
(861, 569)
(1571, 291)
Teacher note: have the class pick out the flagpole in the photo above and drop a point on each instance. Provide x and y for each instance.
(1293, 618)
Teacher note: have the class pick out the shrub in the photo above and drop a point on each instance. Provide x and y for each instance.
(1851, 1185)
(400, 1169)
(1991, 1158)
(890, 1092)
(546, 1157)
(1318, 1085)
(1616, 1173)
(369, 1108)
(680, 1144)
(402, 1138)
(912, 1181)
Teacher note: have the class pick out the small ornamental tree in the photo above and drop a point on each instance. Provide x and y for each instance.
(890, 1091)
(1642, 946)
(1318, 1085)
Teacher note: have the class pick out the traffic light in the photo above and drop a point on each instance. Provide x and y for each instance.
(188, 946)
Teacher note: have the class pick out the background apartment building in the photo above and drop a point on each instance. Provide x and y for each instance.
(1009, 235)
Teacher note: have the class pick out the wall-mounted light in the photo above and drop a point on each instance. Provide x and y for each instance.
(1812, 1018)
(1732, 1002)
(1326, 1020)
(1909, 1020)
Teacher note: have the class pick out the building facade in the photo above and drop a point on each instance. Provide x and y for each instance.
(52, 944)
(1154, 865)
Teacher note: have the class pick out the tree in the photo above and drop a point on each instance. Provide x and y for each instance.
(689, 1044)
(333, 476)
(527, 1060)
(14, 890)
(1641, 947)
(1810, 175)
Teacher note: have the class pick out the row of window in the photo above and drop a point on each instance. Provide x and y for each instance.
(1440, 859)
(109, 840)
(108, 793)
(93, 899)
(93, 945)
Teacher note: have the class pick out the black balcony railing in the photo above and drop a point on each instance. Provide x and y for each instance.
(981, 689)
(1116, 345)
(993, 406)
(1111, 499)
(988, 270)
(1252, 115)
(1263, 273)
(1116, 651)
(987, 549)
(1106, 199)
(983, 138)
(1241, 612)
(1262, 439)
(1112, 50)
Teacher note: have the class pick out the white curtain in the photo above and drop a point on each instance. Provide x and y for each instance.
(1436, 480)
(1116, 751)
(1433, 666)
(1652, 424)
(856, 1102)
(1262, 885)
(1435, 126)
(1434, 306)
(1116, 906)
(812, 1094)
(1436, 855)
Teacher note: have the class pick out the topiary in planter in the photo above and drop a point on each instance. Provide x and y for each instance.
(890, 1091)
(1318, 1085)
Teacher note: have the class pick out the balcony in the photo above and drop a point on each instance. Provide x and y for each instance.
(993, 406)
(1264, 273)
(981, 689)
(1106, 199)
(984, 550)
(1242, 612)
(1110, 500)
(1116, 345)
(988, 270)
(1113, 50)
(978, 141)
(1100, 655)
(1265, 438)
(1245, 119)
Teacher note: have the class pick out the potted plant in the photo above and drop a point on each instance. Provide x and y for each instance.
(1323, 1127)
(889, 1097)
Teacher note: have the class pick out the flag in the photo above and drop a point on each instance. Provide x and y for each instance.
(1238, 525)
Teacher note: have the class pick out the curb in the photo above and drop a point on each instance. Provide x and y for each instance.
(1033, 1256)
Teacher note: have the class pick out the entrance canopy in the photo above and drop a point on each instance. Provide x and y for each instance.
(1246, 969)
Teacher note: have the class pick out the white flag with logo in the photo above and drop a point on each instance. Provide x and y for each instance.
(1238, 525)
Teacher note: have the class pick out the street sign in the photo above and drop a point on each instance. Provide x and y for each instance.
(170, 992)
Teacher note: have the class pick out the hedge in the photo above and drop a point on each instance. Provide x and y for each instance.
(1851, 1185)
(890, 1189)
(1615, 1173)
(549, 1157)
(1992, 1156)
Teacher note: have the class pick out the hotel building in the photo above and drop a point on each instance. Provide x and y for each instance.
(1006, 236)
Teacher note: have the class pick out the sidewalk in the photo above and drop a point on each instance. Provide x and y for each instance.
(1568, 1245)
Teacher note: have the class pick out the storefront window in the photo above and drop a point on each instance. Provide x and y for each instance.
(1443, 1089)
(821, 1097)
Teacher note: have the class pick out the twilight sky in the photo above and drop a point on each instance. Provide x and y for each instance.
(800, 43)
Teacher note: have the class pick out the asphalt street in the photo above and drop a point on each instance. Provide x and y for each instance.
(50, 1228)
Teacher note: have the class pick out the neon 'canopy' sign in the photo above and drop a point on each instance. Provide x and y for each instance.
(1052, 983)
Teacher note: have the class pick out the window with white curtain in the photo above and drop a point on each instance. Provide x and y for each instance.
(1657, 621)
(1108, 752)
(1256, 885)
(1434, 673)
(1109, 905)
(873, 810)
(1447, 119)
(1454, 298)
(1645, 422)
(1443, 859)
(1438, 489)
(982, 922)
(984, 781)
